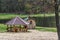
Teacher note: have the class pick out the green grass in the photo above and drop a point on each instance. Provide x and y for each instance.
(46, 29)
(3, 28)
(8, 16)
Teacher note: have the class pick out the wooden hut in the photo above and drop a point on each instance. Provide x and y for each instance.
(17, 24)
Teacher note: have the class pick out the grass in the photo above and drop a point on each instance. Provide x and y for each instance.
(8, 16)
(3, 28)
(46, 29)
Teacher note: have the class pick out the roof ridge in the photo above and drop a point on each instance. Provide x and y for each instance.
(14, 20)
(23, 21)
(17, 20)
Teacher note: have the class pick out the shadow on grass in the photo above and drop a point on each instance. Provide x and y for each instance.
(15, 32)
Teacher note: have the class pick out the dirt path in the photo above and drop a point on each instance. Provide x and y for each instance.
(32, 35)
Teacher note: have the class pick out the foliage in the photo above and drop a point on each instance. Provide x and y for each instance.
(27, 6)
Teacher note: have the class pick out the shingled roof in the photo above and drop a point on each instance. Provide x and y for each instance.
(17, 21)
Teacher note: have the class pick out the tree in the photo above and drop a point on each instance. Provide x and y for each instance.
(26, 6)
(0, 5)
(57, 18)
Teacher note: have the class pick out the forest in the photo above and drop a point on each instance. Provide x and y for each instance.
(26, 6)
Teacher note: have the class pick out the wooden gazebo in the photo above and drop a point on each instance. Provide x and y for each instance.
(17, 24)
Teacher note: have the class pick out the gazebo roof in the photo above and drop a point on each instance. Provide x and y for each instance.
(17, 21)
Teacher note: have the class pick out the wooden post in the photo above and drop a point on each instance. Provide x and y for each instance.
(7, 28)
(10, 28)
(14, 28)
(20, 28)
(25, 28)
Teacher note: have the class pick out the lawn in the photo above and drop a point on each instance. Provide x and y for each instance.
(46, 29)
(3, 28)
(8, 16)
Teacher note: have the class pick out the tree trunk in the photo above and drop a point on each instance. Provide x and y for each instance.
(0, 5)
(57, 18)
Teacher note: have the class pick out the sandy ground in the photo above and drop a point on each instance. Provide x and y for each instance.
(32, 35)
